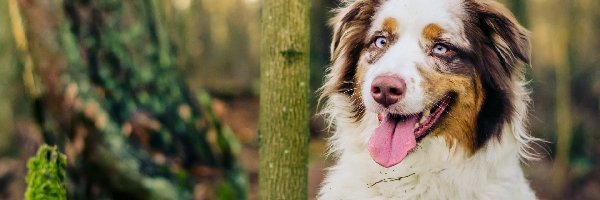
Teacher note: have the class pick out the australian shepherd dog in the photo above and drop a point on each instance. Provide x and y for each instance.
(427, 100)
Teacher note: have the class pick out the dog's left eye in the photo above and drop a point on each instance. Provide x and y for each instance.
(380, 42)
(440, 49)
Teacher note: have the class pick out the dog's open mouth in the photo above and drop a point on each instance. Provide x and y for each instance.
(397, 134)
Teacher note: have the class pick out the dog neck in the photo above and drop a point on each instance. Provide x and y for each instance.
(434, 168)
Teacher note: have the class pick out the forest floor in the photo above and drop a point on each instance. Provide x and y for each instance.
(241, 115)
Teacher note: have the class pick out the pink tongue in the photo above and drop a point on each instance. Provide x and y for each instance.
(392, 140)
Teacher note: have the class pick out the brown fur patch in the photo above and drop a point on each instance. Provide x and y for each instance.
(432, 31)
(390, 25)
(389, 31)
(499, 48)
(510, 39)
(483, 102)
(375, 53)
(458, 124)
(361, 72)
(351, 25)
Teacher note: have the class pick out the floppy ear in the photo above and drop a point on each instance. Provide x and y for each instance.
(500, 48)
(350, 26)
(509, 39)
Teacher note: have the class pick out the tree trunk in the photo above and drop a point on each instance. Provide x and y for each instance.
(284, 116)
(106, 90)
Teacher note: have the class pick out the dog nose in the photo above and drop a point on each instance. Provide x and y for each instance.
(387, 90)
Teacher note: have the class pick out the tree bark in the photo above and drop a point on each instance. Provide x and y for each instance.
(284, 115)
(110, 96)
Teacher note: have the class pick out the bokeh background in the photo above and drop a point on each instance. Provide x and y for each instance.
(217, 44)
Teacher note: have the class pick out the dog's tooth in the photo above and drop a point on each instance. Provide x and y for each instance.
(426, 113)
(423, 118)
(416, 125)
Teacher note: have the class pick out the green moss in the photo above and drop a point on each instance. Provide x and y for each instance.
(46, 175)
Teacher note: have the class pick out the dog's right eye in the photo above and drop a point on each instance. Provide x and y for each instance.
(440, 49)
(380, 42)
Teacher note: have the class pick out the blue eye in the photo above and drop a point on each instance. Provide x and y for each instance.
(439, 49)
(380, 42)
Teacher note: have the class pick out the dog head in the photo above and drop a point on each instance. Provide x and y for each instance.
(427, 67)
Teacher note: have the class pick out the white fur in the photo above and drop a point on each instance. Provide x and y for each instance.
(433, 170)
(438, 172)
(405, 55)
(400, 60)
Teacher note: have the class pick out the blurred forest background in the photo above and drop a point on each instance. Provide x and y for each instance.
(213, 45)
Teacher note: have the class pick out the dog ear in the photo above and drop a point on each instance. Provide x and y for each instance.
(509, 39)
(500, 47)
(350, 26)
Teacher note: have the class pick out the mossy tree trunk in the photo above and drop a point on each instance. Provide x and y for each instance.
(284, 115)
(105, 89)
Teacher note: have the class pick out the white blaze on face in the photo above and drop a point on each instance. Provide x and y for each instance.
(407, 52)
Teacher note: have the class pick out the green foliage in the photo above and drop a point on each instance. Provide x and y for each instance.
(46, 176)
(127, 78)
